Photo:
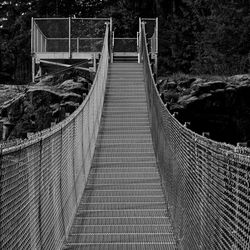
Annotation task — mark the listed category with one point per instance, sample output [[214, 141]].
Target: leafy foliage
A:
[[206, 37], [198, 36]]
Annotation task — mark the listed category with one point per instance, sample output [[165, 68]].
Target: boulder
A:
[[198, 81], [221, 107], [207, 87], [68, 84], [13, 109], [47, 80], [239, 78], [70, 107], [187, 100], [187, 83], [71, 97], [43, 96], [82, 79], [170, 96], [35, 107], [206, 95], [170, 85], [75, 87]]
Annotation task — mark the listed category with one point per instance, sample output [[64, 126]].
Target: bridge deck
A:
[[123, 206]]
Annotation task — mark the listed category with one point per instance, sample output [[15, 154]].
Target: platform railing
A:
[[206, 183], [42, 179], [68, 35]]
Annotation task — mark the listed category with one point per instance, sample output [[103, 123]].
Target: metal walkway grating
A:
[[123, 206]]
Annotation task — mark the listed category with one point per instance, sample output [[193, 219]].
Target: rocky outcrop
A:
[[220, 106], [37, 107]]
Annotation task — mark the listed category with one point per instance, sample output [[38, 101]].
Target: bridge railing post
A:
[[156, 46], [69, 37], [112, 46], [110, 40]]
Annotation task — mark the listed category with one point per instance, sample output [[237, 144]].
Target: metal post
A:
[[139, 48], [94, 62], [33, 68], [77, 44], [113, 44], [110, 28], [110, 40], [156, 46], [41, 43], [139, 24], [32, 35], [45, 45], [37, 43], [156, 34], [69, 37]]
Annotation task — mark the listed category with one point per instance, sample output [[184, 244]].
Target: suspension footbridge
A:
[[120, 172]]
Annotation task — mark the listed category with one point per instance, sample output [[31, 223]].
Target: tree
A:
[[222, 46]]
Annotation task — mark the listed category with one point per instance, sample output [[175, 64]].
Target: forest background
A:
[[195, 36]]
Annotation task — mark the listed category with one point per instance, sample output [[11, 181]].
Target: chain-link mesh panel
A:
[[53, 35], [125, 45], [88, 28], [207, 184], [57, 34], [150, 31], [86, 44], [42, 179], [87, 34]]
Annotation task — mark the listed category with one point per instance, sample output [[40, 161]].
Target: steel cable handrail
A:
[[206, 183], [42, 179]]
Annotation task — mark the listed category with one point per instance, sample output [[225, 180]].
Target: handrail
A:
[[54, 43], [206, 183], [42, 178]]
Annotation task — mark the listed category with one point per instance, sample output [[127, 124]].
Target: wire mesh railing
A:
[[206, 183], [68, 34], [42, 179]]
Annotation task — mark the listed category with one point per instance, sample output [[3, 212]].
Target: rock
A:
[[219, 91], [41, 96], [206, 95], [75, 87], [28, 107], [82, 80], [209, 86], [70, 107], [184, 98], [47, 80], [170, 85], [221, 107], [79, 91], [176, 107], [229, 88], [198, 81], [35, 108], [13, 109], [239, 78], [188, 100], [55, 106], [67, 84], [187, 83], [170, 96], [162, 85], [71, 97]]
